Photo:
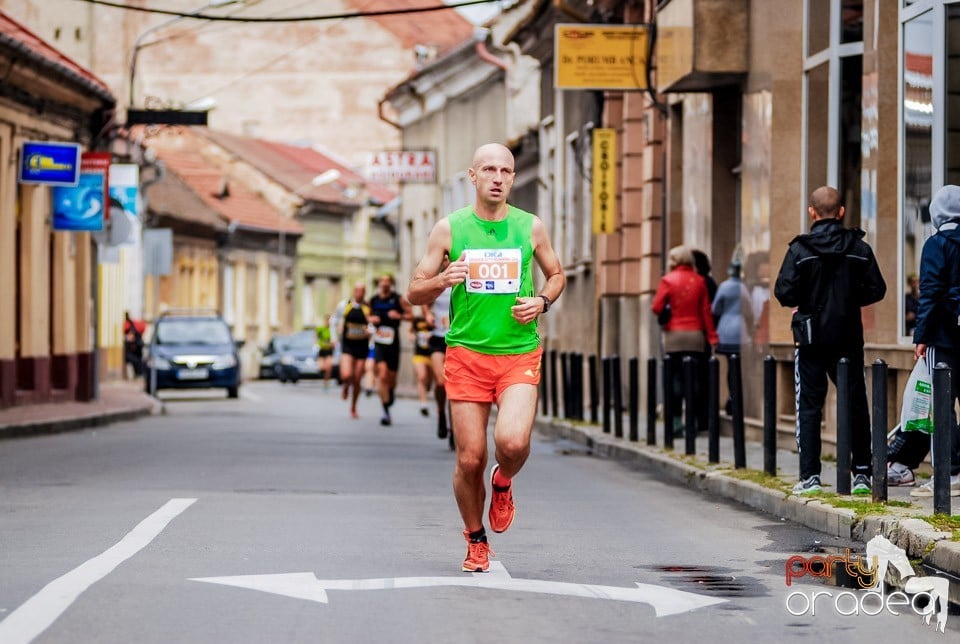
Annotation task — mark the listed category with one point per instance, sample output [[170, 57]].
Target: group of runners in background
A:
[[369, 331]]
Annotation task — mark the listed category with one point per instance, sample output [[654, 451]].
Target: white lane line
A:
[[40, 611], [246, 395]]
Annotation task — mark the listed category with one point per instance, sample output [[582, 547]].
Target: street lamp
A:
[[140, 44]]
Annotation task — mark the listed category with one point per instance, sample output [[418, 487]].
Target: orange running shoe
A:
[[478, 555], [502, 509]]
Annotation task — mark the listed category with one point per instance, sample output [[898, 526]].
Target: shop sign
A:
[[610, 57], [83, 207], [51, 164], [604, 180], [402, 166]]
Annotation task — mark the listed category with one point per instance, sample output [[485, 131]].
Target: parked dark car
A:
[[192, 351], [290, 357]]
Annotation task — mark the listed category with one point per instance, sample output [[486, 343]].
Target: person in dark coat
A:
[[828, 275], [937, 334]]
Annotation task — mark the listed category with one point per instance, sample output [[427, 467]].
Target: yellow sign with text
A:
[[600, 57], [604, 180]]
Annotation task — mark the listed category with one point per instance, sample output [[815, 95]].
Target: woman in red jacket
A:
[[688, 328]]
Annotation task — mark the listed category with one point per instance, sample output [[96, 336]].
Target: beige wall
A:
[[315, 75], [8, 242]]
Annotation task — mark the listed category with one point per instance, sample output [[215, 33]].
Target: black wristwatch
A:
[[546, 303]]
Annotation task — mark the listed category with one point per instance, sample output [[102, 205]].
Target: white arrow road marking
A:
[[40, 611], [305, 585]]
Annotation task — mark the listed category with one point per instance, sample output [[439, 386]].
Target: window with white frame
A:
[[274, 298], [229, 300], [832, 90], [307, 301], [929, 130]]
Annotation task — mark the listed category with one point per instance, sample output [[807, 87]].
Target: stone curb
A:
[[917, 537], [59, 425]]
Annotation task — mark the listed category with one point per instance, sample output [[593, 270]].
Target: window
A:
[[228, 295], [274, 295], [307, 302], [833, 91]]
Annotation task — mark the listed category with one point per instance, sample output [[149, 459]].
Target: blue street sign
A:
[[81, 207], [52, 164]]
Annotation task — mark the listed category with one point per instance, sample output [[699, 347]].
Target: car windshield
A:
[[297, 342], [193, 331]]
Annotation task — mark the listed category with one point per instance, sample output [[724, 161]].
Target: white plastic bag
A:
[[917, 411]]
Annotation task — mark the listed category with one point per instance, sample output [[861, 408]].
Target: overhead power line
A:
[[276, 19]]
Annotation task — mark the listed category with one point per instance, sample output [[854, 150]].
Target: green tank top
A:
[[500, 255]]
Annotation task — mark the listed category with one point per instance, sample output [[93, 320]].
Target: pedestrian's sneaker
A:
[[478, 555], [861, 485], [808, 486], [502, 509], [925, 491], [385, 420], [424, 411], [442, 427], [899, 475]]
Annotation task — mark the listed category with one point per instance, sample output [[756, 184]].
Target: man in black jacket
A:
[[828, 274], [937, 334]]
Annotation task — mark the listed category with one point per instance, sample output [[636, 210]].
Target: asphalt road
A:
[[277, 518]]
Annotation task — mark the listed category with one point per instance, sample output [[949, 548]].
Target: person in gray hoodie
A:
[[937, 334], [733, 313]]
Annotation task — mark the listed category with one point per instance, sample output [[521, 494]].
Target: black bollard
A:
[[580, 405], [668, 410], [574, 393], [633, 374], [554, 407], [879, 432], [690, 406], [943, 419], [617, 383], [606, 395], [565, 383], [544, 403], [713, 412], [770, 415], [594, 390], [578, 385], [651, 401], [739, 441], [843, 427]]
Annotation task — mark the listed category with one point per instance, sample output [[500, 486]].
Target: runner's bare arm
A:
[[428, 280], [528, 308]]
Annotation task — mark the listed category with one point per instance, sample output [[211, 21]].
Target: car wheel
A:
[[233, 392]]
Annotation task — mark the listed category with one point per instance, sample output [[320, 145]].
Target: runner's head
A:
[[386, 284], [492, 174], [359, 292]]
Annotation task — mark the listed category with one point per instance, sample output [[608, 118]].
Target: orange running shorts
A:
[[479, 377]]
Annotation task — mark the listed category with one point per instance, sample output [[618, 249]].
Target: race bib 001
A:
[[493, 270], [384, 335]]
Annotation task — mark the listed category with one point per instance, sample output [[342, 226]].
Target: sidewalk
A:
[[118, 401], [846, 517]]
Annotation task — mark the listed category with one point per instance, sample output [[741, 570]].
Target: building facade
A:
[[47, 351]]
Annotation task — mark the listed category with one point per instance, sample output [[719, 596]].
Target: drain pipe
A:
[[484, 54]]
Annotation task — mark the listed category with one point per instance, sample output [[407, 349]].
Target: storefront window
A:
[[851, 21], [818, 25], [851, 115], [952, 111], [918, 115], [818, 118]]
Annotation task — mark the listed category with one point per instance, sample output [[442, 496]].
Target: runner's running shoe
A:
[[502, 509], [478, 555]]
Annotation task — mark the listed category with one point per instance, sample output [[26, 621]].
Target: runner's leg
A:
[[517, 409], [469, 487]]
